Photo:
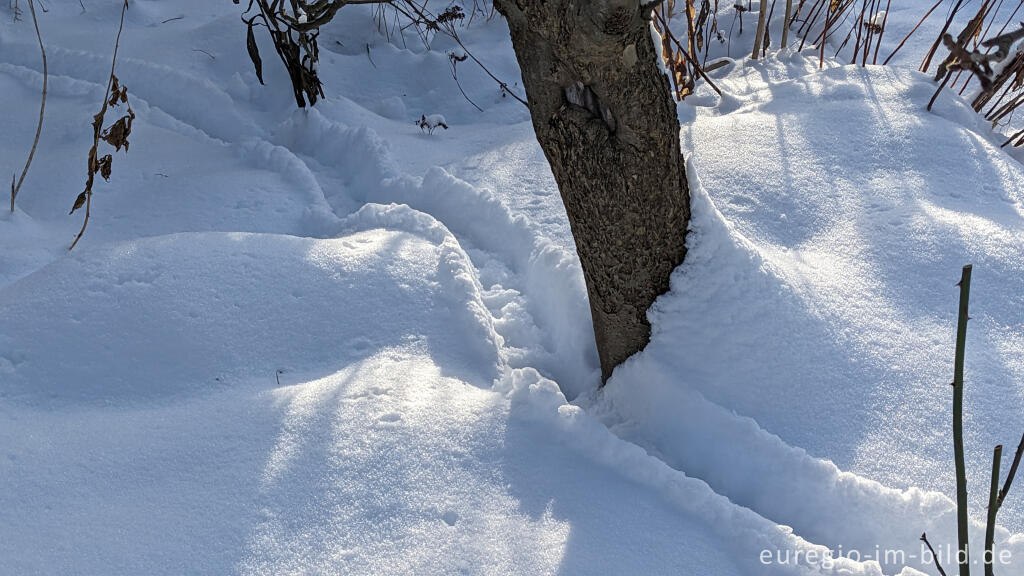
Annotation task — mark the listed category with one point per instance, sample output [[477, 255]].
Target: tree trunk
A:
[[604, 116]]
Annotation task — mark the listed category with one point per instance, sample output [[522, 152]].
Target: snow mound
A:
[[189, 312], [816, 308], [265, 404]]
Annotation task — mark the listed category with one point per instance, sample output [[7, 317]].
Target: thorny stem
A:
[[993, 507], [958, 423], [1012, 473]]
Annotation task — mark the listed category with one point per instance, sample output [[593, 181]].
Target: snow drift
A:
[[326, 342]]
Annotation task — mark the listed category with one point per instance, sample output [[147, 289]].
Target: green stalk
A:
[[1013, 471], [993, 507], [964, 556]]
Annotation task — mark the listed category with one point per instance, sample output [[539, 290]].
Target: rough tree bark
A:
[[604, 116]]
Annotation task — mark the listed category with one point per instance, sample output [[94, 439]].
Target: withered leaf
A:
[[118, 97], [79, 202], [254, 52], [118, 132], [117, 92], [104, 166]]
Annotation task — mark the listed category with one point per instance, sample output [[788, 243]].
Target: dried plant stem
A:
[[768, 31], [420, 14], [1011, 70], [965, 36], [860, 26], [912, 30], [682, 51], [762, 15], [937, 92], [691, 30], [935, 557], [958, 423], [845, 40], [935, 45], [1017, 139], [988, 28], [881, 31], [504, 87], [15, 188], [1020, 3], [786, 21], [453, 62], [869, 35], [831, 20], [809, 23], [97, 130]]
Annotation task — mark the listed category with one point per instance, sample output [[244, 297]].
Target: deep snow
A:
[[323, 341]]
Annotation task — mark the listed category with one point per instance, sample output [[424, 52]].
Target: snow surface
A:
[[304, 342]]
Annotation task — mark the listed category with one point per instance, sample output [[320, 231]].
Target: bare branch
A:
[[15, 188], [924, 538]]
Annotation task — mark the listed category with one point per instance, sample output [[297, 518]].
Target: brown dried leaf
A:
[[79, 202], [118, 132], [104, 166], [254, 52], [115, 89]]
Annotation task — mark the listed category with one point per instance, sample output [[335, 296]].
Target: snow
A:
[[323, 341], [817, 304]]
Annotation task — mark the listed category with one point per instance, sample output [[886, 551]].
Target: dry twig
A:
[[116, 134], [15, 188]]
